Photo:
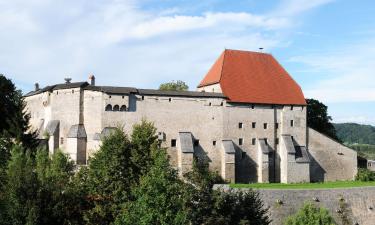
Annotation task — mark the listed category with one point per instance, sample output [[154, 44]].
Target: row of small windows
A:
[[115, 108], [240, 142], [265, 125]]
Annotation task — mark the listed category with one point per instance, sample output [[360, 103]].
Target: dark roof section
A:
[[77, 131], [180, 93], [112, 90], [50, 88], [127, 90], [70, 85]]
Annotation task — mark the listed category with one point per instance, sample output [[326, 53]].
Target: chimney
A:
[[67, 80], [92, 80], [36, 85]]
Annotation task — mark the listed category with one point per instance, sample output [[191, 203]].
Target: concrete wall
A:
[[330, 160], [208, 119], [359, 202]]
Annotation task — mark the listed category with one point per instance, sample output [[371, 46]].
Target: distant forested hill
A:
[[358, 137], [352, 133]]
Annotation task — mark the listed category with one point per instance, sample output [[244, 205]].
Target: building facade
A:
[[247, 119]]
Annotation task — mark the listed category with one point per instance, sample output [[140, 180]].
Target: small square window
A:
[[276, 125], [143, 97], [253, 141], [252, 106], [110, 96], [266, 141], [292, 123], [169, 99], [196, 143], [291, 107], [173, 143], [253, 124], [123, 97], [240, 141], [277, 141], [214, 143], [243, 154], [240, 125], [61, 141], [265, 125], [292, 138]]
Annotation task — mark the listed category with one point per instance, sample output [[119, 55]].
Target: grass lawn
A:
[[335, 184]]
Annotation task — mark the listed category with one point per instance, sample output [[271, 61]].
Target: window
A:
[[214, 143], [292, 138], [265, 125], [291, 123], [277, 141], [252, 106], [253, 124], [209, 104], [123, 108], [222, 103], [116, 108], [61, 141], [276, 125], [108, 107], [173, 143], [240, 125], [240, 141], [169, 99], [110, 96], [253, 141], [57, 92], [291, 107], [72, 91], [143, 97], [266, 141], [196, 143], [243, 154]]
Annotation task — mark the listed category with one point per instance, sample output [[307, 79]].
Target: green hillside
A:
[[359, 137], [355, 133]]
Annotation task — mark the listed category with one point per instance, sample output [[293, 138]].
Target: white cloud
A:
[[44, 41], [349, 73], [294, 7]]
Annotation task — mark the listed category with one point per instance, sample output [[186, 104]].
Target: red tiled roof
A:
[[253, 77]]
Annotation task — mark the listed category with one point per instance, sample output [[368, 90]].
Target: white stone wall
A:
[[331, 160], [208, 119]]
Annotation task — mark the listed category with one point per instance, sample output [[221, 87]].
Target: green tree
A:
[[159, 198], [14, 124], [144, 141], [39, 189], [310, 214], [318, 118], [174, 86], [208, 206], [109, 178]]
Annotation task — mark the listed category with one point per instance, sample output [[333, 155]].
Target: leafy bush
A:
[[310, 214], [365, 175]]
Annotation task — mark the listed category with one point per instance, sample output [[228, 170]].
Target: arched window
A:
[[123, 108], [116, 108], [108, 107]]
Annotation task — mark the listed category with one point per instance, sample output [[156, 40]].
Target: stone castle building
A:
[[247, 118]]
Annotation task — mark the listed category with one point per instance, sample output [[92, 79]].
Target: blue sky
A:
[[328, 46]]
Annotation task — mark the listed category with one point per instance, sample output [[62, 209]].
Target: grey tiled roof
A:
[[301, 154], [52, 127], [228, 146], [186, 142], [77, 131], [112, 90], [180, 93], [126, 90], [263, 146], [58, 87]]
